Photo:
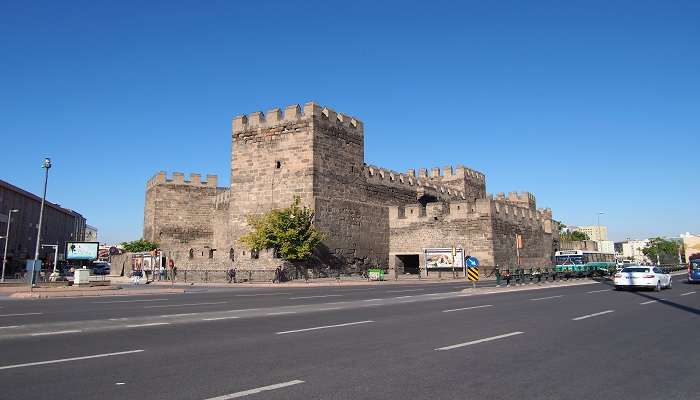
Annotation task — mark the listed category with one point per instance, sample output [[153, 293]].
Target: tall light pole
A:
[[46, 166], [600, 235], [7, 243]]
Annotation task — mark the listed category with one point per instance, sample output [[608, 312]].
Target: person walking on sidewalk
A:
[[172, 269]]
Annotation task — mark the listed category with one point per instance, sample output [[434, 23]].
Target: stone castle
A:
[[370, 216]]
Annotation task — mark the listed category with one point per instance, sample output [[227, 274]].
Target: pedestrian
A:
[[161, 272], [172, 268], [498, 276], [506, 275], [231, 275]]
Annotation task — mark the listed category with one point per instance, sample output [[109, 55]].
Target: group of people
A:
[[163, 274]]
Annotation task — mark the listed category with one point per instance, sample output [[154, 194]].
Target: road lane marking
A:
[[316, 297], [373, 300], [402, 291], [256, 390], [188, 304], [547, 298], [220, 318], [56, 332], [127, 301], [592, 315], [10, 326], [402, 297], [488, 339], [329, 309], [18, 315], [468, 308], [148, 324], [282, 313], [355, 290], [652, 301], [324, 327], [178, 315], [261, 294], [685, 294], [599, 291], [118, 319], [69, 359]]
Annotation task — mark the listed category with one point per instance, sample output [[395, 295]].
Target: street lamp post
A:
[[600, 235], [55, 258], [46, 166], [7, 243]]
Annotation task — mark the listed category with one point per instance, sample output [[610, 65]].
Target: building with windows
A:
[[59, 226], [90, 233], [594, 232]]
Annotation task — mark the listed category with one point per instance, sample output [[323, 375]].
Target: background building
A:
[[59, 226], [90, 233], [632, 250], [594, 232], [691, 244]]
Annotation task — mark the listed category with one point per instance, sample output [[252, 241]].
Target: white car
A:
[[638, 276]]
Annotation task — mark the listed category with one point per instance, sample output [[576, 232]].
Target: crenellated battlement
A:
[[448, 172], [385, 176], [295, 113], [178, 178]]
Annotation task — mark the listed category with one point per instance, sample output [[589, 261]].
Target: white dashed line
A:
[[149, 324], [261, 294], [56, 332], [219, 318], [373, 300], [402, 291], [178, 315], [547, 298], [592, 315], [488, 339], [188, 304], [468, 308], [599, 291], [316, 297], [325, 327], [69, 359], [127, 301], [329, 309], [685, 294], [282, 313], [402, 297], [10, 326], [18, 315], [651, 301], [256, 390]]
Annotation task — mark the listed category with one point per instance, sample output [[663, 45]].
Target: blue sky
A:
[[592, 106]]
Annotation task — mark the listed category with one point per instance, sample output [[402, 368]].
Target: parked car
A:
[[100, 269], [643, 277]]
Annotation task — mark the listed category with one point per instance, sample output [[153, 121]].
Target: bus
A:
[[584, 261]]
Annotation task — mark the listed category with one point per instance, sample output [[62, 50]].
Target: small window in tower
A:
[[278, 164]]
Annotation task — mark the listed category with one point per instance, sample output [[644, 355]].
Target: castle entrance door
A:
[[408, 263]]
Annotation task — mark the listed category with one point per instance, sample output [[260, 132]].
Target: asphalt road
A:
[[398, 342]]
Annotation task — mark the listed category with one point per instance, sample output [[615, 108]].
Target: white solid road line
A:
[[488, 339], [316, 297], [148, 324], [468, 308], [548, 297], [324, 327], [685, 294], [402, 297], [126, 301], [373, 300], [69, 359], [402, 291], [17, 315], [598, 291], [256, 390], [329, 309], [592, 315], [261, 294], [10, 326], [56, 332], [282, 313], [652, 301], [188, 304], [219, 318]]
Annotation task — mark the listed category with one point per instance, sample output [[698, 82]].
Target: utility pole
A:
[[46, 166], [7, 243]]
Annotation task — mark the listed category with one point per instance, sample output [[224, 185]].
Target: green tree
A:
[[574, 236], [138, 246], [666, 249], [288, 231]]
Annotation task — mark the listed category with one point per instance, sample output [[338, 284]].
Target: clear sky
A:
[[592, 106]]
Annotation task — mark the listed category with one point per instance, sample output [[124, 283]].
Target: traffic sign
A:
[[473, 273], [472, 262]]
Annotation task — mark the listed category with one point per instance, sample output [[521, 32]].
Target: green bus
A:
[[584, 262]]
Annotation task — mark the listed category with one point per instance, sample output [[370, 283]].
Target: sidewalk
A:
[[22, 292]]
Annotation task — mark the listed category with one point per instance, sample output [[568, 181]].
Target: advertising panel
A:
[[444, 258], [82, 250]]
